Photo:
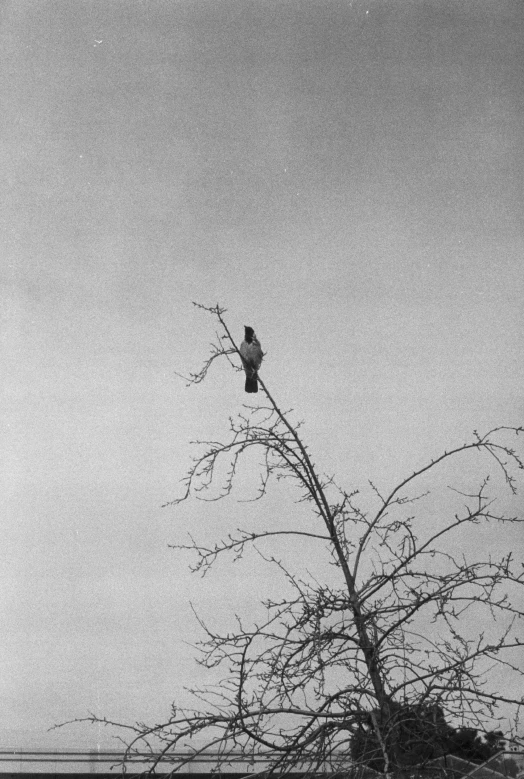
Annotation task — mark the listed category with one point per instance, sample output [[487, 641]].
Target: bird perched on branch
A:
[[251, 353]]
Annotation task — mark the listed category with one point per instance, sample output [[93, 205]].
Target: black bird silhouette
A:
[[251, 353]]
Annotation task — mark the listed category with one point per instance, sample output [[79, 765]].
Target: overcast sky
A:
[[346, 177]]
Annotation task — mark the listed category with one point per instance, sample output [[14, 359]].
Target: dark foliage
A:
[[418, 734], [415, 734]]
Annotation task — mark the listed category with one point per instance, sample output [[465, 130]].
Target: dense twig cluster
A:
[[395, 632]]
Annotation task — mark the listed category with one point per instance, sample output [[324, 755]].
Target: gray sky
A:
[[346, 177]]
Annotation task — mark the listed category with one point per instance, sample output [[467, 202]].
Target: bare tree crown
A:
[[340, 660]]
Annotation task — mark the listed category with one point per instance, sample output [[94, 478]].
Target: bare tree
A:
[[406, 620]]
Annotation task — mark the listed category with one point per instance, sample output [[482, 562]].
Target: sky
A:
[[347, 178]]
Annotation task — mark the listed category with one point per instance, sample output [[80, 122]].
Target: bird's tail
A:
[[251, 384]]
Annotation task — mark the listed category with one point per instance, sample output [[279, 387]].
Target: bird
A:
[[251, 353]]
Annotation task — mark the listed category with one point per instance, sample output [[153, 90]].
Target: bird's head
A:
[[249, 333]]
